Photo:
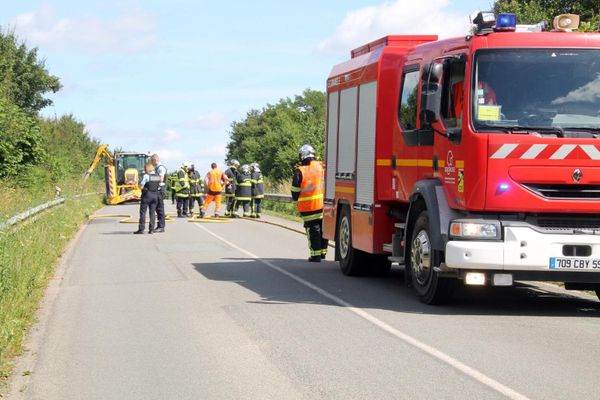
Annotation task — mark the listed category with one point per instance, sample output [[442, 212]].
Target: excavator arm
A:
[[101, 153]]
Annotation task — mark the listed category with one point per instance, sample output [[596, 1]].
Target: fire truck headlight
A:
[[465, 229]]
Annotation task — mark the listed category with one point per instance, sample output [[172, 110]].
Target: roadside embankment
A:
[[28, 254]]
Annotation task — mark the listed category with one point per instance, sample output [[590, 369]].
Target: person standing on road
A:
[[215, 180], [195, 189], [243, 191], [150, 185], [307, 191], [258, 190], [231, 174], [171, 182], [182, 190], [161, 170]]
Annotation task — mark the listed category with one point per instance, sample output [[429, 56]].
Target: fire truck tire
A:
[[352, 261], [430, 288]]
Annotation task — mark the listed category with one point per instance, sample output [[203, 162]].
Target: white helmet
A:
[[245, 169], [255, 167], [306, 151], [186, 164]]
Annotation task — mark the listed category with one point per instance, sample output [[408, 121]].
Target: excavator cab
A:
[[130, 167], [122, 174]]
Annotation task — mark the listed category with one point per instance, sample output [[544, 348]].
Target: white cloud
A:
[[171, 136], [172, 158], [588, 93], [407, 17], [212, 120], [216, 151], [132, 31]]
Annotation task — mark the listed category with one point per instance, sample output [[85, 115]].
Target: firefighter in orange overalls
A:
[[215, 179], [307, 191]]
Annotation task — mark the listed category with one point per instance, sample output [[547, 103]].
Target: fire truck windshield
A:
[[538, 91]]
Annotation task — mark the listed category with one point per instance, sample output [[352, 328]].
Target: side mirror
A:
[[435, 73], [454, 135], [431, 93]]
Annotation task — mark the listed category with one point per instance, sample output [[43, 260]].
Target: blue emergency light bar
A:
[[506, 23]]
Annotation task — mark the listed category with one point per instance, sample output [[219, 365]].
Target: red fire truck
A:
[[473, 159]]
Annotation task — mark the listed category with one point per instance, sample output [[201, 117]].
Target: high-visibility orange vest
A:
[[311, 187], [214, 180]]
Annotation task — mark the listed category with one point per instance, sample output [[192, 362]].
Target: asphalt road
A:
[[233, 311]]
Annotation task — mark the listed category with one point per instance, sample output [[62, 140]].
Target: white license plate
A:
[[574, 264]]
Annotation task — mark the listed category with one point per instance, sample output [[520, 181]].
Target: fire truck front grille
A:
[[565, 191], [559, 223]]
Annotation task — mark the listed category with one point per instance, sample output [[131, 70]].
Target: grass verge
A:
[[282, 210], [28, 256]]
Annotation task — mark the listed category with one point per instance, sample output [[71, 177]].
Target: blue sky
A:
[[171, 77]]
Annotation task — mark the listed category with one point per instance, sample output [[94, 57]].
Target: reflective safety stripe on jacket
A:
[[182, 184], [230, 188], [243, 190], [258, 186], [214, 181], [311, 187], [195, 184]]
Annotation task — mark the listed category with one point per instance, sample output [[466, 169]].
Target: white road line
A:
[[473, 373]]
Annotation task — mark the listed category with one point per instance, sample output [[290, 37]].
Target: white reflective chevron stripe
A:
[[591, 151], [533, 151], [563, 151], [504, 150]]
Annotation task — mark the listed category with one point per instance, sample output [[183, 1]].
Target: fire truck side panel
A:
[[342, 126]]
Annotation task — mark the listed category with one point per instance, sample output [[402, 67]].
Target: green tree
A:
[[68, 146], [23, 77], [534, 11], [20, 140], [272, 136]]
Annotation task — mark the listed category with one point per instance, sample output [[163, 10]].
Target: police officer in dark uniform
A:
[[161, 171], [150, 184], [231, 173]]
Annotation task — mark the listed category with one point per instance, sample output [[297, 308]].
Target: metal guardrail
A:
[[281, 198], [29, 213]]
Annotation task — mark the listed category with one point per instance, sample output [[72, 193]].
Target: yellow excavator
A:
[[121, 174]]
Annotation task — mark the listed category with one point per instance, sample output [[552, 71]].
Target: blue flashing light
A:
[[503, 187], [506, 22]]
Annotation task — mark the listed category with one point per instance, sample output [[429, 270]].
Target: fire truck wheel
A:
[[430, 288], [351, 260]]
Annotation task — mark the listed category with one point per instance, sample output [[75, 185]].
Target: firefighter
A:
[[243, 191], [196, 186], [231, 173], [258, 190], [182, 190], [171, 183], [150, 185], [307, 191], [215, 180]]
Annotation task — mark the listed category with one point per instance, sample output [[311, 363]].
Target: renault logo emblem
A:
[[577, 175]]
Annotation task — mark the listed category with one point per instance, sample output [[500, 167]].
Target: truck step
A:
[[400, 225], [399, 260], [389, 247]]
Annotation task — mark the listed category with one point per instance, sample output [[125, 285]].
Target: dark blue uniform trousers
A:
[[160, 208], [149, 200]]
